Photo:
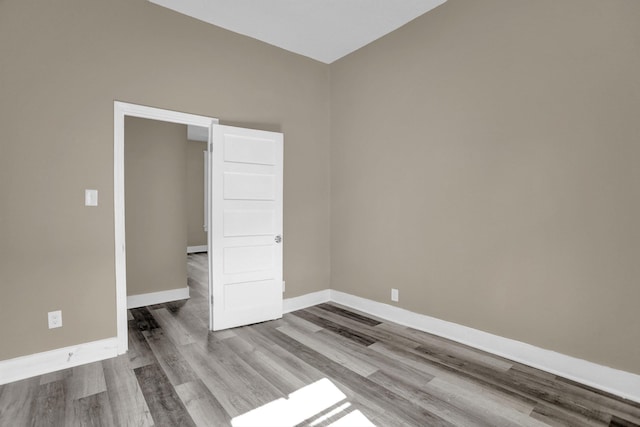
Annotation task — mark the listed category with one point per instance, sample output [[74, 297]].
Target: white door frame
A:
[[120, 111]]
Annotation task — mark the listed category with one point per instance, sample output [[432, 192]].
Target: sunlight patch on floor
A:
[[330, 414], [352, 419], [304, 404]]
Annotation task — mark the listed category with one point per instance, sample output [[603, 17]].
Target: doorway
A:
[[244, 217], [122, 110]]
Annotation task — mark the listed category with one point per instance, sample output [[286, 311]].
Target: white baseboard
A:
[[617, 382], [620, 383], [304, 301], [194, 249], [23, 367], [142, 300]]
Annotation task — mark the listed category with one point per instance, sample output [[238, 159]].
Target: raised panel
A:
[[247, 259], [241, 149], [249, 186], [262, 293], [246, 262], [248, 223]]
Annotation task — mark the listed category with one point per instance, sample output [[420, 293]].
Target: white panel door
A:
[[245, 263]]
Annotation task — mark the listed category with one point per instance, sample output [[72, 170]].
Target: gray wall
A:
[[63, 65], [485, 162], [155, 170], [196, 236]]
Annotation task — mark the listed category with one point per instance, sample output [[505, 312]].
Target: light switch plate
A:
[[91, 197]]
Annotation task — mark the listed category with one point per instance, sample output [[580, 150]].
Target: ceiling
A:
[[324, 30]]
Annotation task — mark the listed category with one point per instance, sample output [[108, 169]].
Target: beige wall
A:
[[155, 175], [196, 236], [63, 65], [485, 163]]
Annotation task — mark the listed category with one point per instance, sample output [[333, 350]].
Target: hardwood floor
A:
[[325, 365]]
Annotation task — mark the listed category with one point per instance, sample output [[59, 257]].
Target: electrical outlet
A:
[[394, 295], [55, 319], [284, 287]]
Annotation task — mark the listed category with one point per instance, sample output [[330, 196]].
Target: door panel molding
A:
[[245, 265]]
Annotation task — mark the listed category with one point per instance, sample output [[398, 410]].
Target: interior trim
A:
[[143, 300], [614, 381], [29, 366], [304, 301], [120, 111], [196, 249]]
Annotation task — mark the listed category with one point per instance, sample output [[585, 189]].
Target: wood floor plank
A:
[[436, 405], [204, 408], [143, 319], [178, 373], [340, 356], [483, 405], [163, 401], [510, 382], [55, 376], [507, 396], [346, 332], [94, 411], [621, 408], [196, 325], [222, 335], [356, 401], [620, 422], [554, 416], [375, 332], [18, 402], [452, 374], [599, 394], [125, 396], [349, 314], [85, 380], [384, 398], [239, 375], [601, 404], [172, 329], [272, 370], [301, 323], [306, 373], [377, 361], [542, 390], [171, 360], [458, 350], [139, 354], [50, 405], [234, 401]]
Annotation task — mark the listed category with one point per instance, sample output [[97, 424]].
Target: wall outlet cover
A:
[[55, 319]]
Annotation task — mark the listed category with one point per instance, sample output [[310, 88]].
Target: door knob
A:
[[278, 238]]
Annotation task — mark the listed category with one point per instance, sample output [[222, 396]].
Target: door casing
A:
[[120, 111]]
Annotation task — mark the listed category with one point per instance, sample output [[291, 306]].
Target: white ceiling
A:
[[325, 30]]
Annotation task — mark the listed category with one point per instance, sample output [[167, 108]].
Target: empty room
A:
[[303, 213]]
